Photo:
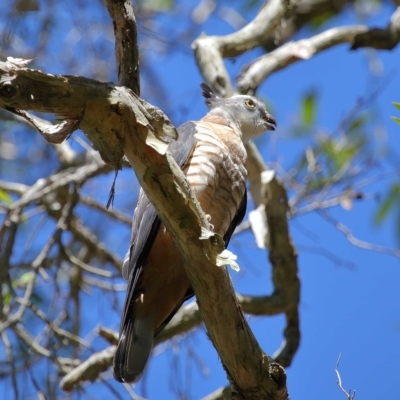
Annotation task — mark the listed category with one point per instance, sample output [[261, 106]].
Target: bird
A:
[[212, 155]]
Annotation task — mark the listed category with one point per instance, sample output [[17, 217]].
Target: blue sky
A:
[[350, 306]]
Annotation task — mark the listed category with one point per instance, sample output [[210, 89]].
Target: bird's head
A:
[[247, 112]]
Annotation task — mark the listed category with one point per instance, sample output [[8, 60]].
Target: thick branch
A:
[[303, 13], [126, 48], [282, 255], [210, 50], [382, 39], [256, 72]]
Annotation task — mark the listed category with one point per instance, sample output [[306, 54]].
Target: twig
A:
[[217, 394], [39, 260], [113, 287], [10, 357], [32, 344], [57, 330], [357, 242], [119, 216], [349, 395], [43, 187], [85, 235], [334, 258], [86, 267]]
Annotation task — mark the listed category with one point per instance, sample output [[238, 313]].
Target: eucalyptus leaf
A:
[[5, 197], [392, 199]]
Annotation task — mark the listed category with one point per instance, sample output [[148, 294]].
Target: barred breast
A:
[[216, 172]]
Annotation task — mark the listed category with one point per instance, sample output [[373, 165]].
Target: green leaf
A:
[[158, 5], [6, 297], [251, 4], [395, 119], [358, 122], [26, 278], [397, 105], [392, 199], [308, 108], [321, 19], [5, 197], [338, 154]]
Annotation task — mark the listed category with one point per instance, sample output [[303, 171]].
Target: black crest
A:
[[209, 95]]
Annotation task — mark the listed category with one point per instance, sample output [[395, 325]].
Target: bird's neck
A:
[[221, 117]]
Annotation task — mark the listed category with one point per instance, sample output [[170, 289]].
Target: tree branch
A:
[[304, 12], [126, 47], [90, 369], [253, 74], [382, 39], [282, 254], [209, 50]]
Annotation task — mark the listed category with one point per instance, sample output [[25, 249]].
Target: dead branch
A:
[[349, 395]]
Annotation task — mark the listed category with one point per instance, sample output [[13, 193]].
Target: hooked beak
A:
[[269, 121]]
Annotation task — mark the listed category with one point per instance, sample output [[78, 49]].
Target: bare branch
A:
[[15, 318], [349, 395], [54, 134], [57, 330], [90, 369], [357, 242], [88, 268], [253, 74], [10, 356], [209, 50], [85, 235], [383, 39], [282, 254], [304, 12], [126, 48], [117, 215], [30, 342], [218, 394], [256, 72], [43, 187]]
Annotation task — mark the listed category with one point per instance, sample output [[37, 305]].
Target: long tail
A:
[[133, 352]]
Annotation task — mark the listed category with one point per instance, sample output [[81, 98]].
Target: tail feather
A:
[[133, 351]]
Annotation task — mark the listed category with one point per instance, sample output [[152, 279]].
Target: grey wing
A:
[[146, 221], [240, 213]]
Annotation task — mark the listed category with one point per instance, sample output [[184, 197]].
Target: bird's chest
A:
[[217, 174]]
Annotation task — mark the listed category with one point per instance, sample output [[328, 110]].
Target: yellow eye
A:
[[249, 103]]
